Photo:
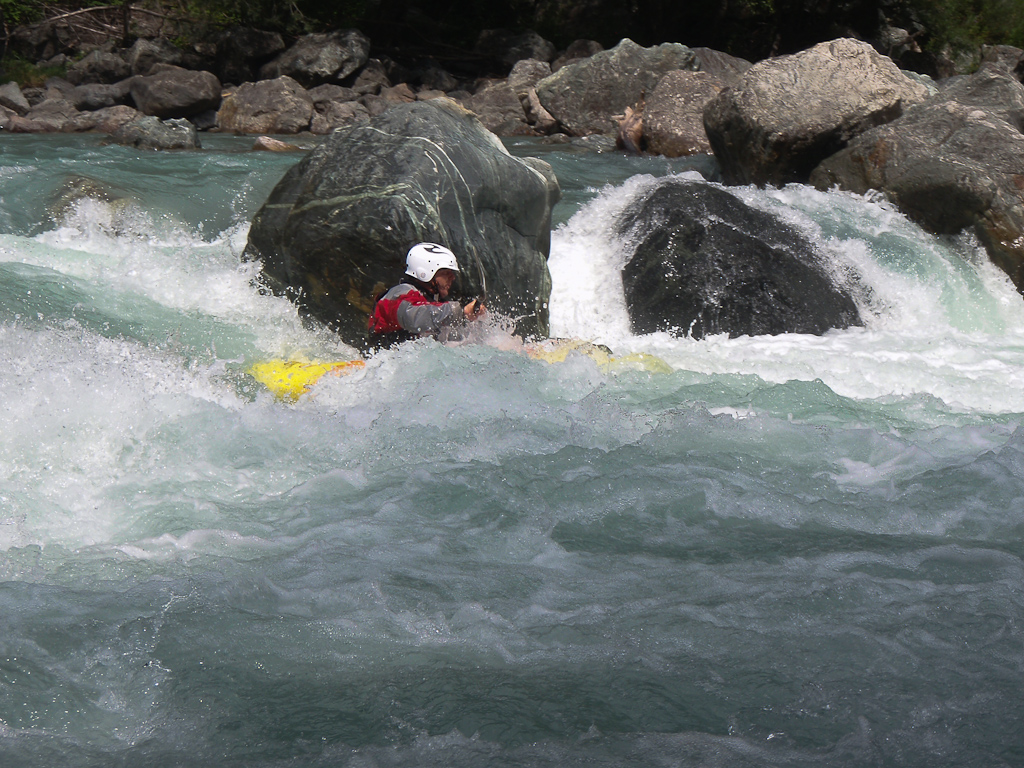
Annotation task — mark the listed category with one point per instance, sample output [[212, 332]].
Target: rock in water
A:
[[787, 114], [335, 230], [707, 263], [148, 132], [954, 162]]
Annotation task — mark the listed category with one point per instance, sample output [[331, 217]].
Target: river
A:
[[787, 551]]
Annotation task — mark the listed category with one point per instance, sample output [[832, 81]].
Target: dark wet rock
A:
[[585, 95], [436, 78], [673, 118], [321, 58], [372, 78], [76, 189], [150, 132], [787, 114], [100, 95], [204, 121], [241, 51], [578, 49], [336, 229], [505, 47], [706, 263], [13, 99], [268, 106], [175, 92], [98, 66], [955, 162]]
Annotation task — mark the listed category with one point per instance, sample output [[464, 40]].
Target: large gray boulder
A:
[[175, 92], [789, 113], [585, 95], [268, 106], [955, 162], [706, 263], [336, 229], [673, 118], [321, 58]]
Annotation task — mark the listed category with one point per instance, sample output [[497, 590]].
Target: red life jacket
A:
[[385, 314]]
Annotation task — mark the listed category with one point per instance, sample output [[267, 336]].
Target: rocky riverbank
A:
[[249, 81]]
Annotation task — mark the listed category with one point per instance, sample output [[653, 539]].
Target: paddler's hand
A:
[[474, 310]]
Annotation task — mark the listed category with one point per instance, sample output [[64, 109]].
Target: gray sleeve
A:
[[427, 318]]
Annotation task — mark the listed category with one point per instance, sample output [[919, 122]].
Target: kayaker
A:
[[418, 306]]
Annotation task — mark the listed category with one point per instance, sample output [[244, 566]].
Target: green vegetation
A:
[[26, 74], [964, 25]]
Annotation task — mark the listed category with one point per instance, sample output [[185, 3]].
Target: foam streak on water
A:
[[794, 550]]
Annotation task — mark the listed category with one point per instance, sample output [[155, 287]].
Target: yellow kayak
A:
[[556, 350], [290, 379]]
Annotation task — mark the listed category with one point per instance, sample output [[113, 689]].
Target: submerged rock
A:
[[149, 132], [706, 263], [336, 229]]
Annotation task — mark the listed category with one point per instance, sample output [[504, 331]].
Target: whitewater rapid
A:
[[790, 550]]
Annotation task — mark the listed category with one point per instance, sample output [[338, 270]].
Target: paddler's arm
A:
[[427, 318]]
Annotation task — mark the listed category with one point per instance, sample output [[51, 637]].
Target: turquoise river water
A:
[[788, 551]]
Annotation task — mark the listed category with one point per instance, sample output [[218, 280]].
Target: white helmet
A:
[[424, 259]]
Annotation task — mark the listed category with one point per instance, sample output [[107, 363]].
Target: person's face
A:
[[444, 279]]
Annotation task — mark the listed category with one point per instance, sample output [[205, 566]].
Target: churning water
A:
[[791, 550]]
